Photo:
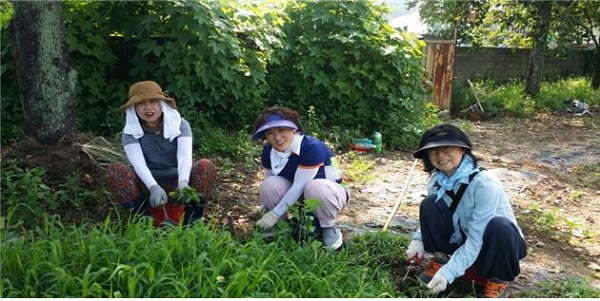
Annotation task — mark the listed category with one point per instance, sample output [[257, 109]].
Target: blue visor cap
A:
[[273, 121]]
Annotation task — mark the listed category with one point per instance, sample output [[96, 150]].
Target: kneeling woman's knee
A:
[[317, 189], [499, 223], [501, 230], [272, 190], [428, 202]]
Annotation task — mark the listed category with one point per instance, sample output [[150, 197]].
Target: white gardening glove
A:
[[415, 247], [183, 184], [158, 196], [437, 284], [268, 220]]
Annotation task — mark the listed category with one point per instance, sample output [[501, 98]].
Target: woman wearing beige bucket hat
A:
[[158, 144]]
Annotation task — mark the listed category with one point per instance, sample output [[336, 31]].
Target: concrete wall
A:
[[504, 64]]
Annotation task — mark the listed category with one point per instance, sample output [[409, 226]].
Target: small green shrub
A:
[[462, 98], [360, 168], [553, 93], [510, 98], [25, 194], [73, 194]]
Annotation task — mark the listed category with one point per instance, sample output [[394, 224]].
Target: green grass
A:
[[510, 99], [138, 260], [571, 288], [134, 259], [552, 94]]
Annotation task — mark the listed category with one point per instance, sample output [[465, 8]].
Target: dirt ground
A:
[[547, 164]]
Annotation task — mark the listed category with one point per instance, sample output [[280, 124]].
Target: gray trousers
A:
[[333, 197]]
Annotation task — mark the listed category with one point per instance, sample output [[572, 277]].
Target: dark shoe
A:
[[495, 289], [434, 265]]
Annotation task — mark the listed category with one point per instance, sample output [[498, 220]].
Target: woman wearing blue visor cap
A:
[[297, 167]]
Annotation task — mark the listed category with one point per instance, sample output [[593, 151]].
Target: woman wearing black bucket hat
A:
[[466, 220], [297, 166]]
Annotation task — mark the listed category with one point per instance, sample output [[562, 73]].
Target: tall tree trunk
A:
[[596, 75], [46, 79], [535, 70]]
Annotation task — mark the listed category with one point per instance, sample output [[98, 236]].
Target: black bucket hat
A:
[[442, 135]]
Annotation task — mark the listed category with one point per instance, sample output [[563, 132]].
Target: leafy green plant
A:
[[186, 196], [359, 167], [302, 217], [343, 59], [313, 122], [27, 197], [25, 194], [554, 223], [74, 195]]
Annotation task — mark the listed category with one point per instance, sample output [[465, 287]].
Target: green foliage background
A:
[[345, 60], [225, 61]]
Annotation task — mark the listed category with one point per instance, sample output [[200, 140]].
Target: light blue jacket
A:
[[483, 200]]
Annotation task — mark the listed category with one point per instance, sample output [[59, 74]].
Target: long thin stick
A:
[[476, 98], [389, 220]]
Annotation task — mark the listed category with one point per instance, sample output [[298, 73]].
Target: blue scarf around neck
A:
[[466, 168]]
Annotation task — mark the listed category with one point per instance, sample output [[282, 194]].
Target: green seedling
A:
[[185, 196]]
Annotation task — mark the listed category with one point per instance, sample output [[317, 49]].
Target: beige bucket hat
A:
[[146, 90]]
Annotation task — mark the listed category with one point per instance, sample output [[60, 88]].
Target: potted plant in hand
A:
[[190, 200]]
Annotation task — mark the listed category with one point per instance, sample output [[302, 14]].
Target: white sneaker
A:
[[332, 238]]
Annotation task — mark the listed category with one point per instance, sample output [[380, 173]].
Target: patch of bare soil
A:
[[552, 166], [546, 163]]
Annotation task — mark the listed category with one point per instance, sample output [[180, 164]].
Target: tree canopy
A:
[[516, 24]]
